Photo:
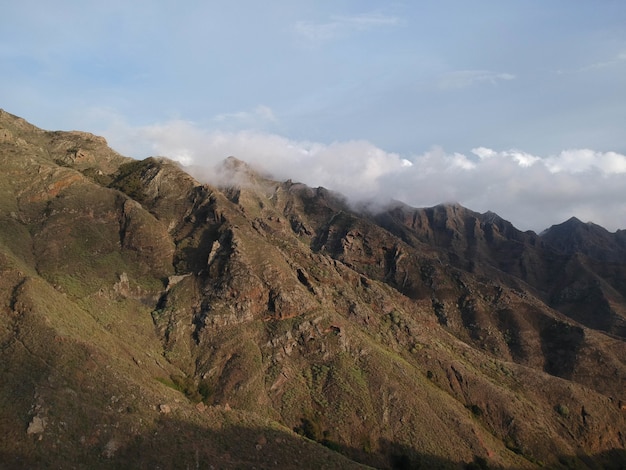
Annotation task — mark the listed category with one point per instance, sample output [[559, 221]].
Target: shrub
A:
[[309, 429], [205, 390], [479, 463], [128, 180], [475, 409], [562, 410]]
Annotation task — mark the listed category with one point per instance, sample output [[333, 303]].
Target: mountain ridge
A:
[[144, 309], [231, 164]]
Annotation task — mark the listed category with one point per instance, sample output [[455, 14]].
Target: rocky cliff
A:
[[152, 321]]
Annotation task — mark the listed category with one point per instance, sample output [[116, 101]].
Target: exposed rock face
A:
[[407, 337], [37, 425]]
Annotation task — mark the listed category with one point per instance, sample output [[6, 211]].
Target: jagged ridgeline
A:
[[149, 320]]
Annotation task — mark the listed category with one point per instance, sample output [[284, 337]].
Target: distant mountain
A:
[[151, 321], [574, 236]]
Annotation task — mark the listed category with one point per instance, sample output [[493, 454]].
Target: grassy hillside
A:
[[151, 321]]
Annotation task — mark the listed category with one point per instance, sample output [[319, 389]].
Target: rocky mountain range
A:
[[149, 320]]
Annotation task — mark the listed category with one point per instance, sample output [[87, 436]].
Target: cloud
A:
[[531, 191], [585, 160], [521, 158], [319, 32], [259, 117], [466, 78], [617, 60]]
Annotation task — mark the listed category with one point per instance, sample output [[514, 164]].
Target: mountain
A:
[[574, 236], [151, 321]]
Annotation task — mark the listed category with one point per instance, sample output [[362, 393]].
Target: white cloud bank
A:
[[531, 191]]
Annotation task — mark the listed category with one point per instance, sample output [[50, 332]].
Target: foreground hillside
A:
[[150, 321]]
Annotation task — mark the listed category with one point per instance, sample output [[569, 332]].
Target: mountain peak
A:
[[587, 238], [236, 172], [573, 221], [235, 162], [574, 225]]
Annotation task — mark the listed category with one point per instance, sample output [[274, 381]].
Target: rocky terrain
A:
[[151, 321]]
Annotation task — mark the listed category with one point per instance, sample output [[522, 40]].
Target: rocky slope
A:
[[150, 320]]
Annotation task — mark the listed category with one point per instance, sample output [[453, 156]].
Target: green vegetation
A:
[[311, 429], [97, 176], [195, 392], [128, 179], [476, 410], [562, 410]]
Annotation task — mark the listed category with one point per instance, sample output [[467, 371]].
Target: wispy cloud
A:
[[466, 78], [254, 118], [618, 59], [337, 26]]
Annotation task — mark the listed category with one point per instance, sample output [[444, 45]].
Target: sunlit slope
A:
[[150, 319]]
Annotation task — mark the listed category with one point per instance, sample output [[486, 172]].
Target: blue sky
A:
[[516, 106]]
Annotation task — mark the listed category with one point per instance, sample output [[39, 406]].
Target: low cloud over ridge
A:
[[532, 191]]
